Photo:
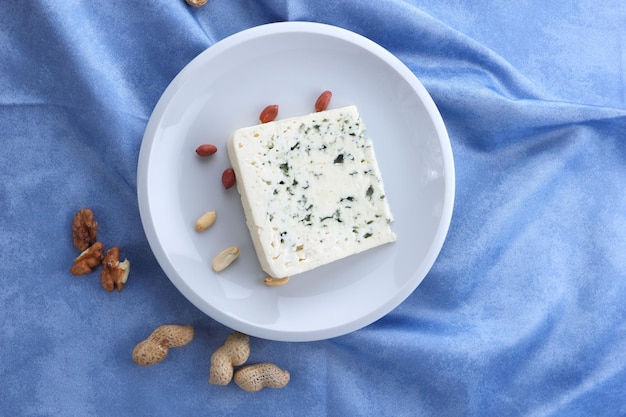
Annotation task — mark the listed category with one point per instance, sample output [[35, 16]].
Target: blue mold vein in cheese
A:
[[311, 190]]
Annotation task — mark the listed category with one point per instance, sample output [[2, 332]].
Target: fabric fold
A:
[[522, 313]]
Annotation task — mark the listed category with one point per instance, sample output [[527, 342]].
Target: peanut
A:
[[269, 113], [254, 378], [225, 258], [196, 3], [154, 349], [234, 352], [205, 221], [323, 100], [228, 178], [274, 282], [206, 150]]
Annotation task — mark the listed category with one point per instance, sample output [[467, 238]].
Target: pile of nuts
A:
[[114, 273], [228, 255], [234, 352], [236, 349]]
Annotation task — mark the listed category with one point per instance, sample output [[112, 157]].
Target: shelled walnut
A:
[[88, 259], [84, 229], [114, 273]]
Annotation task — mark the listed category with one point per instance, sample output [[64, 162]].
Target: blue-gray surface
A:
[[523, 314]]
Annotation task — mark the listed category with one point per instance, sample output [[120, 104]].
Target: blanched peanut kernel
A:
[[225, 258], [205, 221], [275, 282]]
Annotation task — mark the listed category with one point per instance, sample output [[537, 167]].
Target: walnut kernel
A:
[[114, 273], [84, 229], [88, 259]]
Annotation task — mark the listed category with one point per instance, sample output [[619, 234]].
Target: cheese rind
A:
[[311, 190]]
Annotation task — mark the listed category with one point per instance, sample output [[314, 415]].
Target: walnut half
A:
[[84, 229], [114, 273], [88, 259]]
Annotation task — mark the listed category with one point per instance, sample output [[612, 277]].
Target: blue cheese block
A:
[[311, 190]]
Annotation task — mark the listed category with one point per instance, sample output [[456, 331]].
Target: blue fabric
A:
[[523, 314]]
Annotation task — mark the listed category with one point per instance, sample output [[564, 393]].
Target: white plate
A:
[[225, 88]]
